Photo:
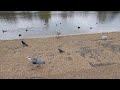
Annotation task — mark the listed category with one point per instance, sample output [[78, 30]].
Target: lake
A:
[[48, 23]]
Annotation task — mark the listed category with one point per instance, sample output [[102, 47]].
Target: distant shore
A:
[[85, 56]]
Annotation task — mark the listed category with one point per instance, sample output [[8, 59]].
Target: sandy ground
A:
[[85, 57]]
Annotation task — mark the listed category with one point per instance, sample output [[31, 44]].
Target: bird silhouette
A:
[[24, 44], [60, 50], [78, 27], [20, 35], [58, 33], [4, 31], [90, 27], [26, 30]]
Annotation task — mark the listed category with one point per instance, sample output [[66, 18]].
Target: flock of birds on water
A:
[[58, 33], [39, 60]]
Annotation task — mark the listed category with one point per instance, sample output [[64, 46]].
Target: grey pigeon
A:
[[4, 31], [78, 27], [24, 44], [36, 60], [90, 27]]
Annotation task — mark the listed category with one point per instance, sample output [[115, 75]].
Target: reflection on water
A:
[[47, 23], [25, 15], [8, 16], [45, 16], [106, 16]]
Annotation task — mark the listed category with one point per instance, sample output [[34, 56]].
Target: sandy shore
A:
[[85, 56]]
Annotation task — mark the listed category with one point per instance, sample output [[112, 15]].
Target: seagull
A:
[[36, 60], [104, 37], [78, 27], [4, 31], [24, 44]]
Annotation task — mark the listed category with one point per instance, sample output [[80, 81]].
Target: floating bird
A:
[[96, 23], [78, 27], [60, 23], [20, 35], [44, 24], [24, 44], [90, 27], [36, 60], [60, 50], [4, 31], [26, 30], [56, 24], [104, 37]]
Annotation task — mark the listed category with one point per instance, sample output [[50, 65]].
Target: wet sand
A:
[[85, 56]]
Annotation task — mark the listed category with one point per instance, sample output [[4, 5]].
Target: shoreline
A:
[[85, 53], [54, 36]]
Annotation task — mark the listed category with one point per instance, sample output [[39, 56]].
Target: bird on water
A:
[[4, 31], [78, 27], [20, 35]]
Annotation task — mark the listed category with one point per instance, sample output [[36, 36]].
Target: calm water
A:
[[47, 23]]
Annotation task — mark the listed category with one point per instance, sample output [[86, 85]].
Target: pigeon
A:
[[60, 50], [24, 44], [78, 27], [90, 27], [4, 31], [20, 35], [36, 60]]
